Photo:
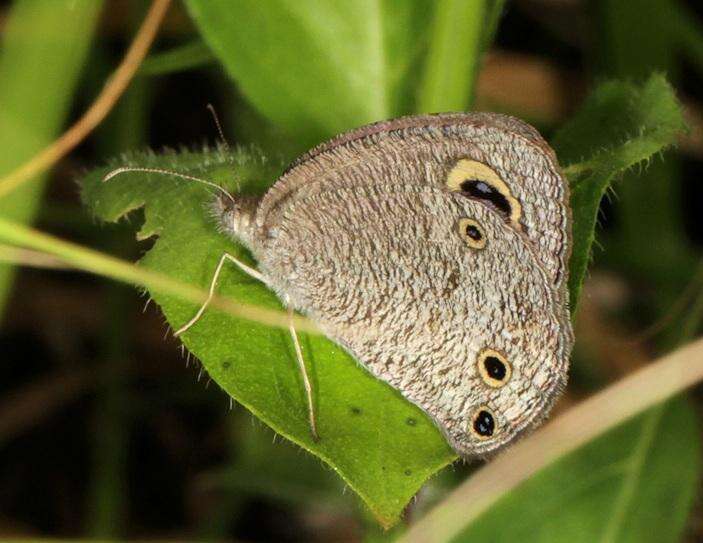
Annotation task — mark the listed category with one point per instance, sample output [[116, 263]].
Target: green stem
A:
[[95, 262], [452, 60], [111, 422]]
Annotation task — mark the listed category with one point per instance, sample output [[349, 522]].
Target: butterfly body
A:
[[434, 250]]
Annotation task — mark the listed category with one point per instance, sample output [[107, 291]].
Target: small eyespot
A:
[[472, 233], [483, 424], [493, 368]]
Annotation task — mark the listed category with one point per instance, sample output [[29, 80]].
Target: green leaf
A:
[[317, 68], [190, 55], [381, 445], [637, 38], [40, 63], [619, 126], [635, 483], [456, 40], [277, 470]]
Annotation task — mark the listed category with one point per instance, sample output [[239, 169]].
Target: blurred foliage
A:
[[361, 54], [618, 127], [386, 468], [634, 44], [363, 60], [622, 486], [34, 102], [299, 72]]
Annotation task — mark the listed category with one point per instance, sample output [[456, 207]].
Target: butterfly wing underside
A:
[[369, 238], [428, 144]]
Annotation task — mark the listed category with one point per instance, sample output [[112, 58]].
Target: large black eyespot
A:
[[472, 233], [478, 181], [484, 424], [484, 191], [494, 368]]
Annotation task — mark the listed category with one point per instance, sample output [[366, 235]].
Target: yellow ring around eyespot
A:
[[466, 169], [477, 412], [473, 243], [490, 381]]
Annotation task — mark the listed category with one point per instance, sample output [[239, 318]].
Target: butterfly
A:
[[435, 250]]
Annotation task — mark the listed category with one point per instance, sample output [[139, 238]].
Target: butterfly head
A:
[[235, 217]]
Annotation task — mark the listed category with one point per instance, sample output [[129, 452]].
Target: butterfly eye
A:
[[480, 182], [483, 424], [494, 368], [472, 233]]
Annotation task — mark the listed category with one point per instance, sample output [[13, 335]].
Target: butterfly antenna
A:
[[122, 170], [212, 111], [223, 140]]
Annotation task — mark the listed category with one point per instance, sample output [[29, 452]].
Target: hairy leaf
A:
[[381, 445], [619, 126]]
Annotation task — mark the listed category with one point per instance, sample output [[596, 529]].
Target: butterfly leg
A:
[[213, 284], [304, 373]]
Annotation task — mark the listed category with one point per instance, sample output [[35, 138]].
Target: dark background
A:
[[106, 431]]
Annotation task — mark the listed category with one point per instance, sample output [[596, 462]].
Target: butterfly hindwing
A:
[[389, 275]]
